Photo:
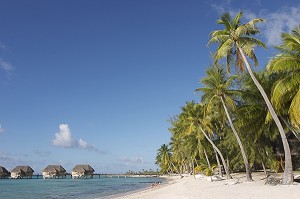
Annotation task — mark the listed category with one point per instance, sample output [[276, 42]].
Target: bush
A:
[[204, 169]]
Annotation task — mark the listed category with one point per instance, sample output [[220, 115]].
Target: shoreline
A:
[[190, 188], [167, 180]]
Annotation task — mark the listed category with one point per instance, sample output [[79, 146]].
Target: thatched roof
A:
[[83, 168], [3, 170], [22, 169], [54, 168]]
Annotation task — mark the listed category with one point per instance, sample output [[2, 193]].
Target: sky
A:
[[95, 82]]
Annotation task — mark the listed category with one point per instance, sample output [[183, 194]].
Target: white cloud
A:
[[82, 143], [5, 65], [64, 139], [284, 20]]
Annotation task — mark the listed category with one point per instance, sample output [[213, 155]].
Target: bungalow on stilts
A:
[[82, 171], [4, 173], [22, 172], [54, 171]]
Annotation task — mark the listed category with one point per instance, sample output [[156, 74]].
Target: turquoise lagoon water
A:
[[71, 188]]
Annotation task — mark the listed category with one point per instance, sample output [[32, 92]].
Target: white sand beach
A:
[[190, 188]]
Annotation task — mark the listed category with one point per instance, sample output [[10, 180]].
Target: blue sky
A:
[[96, 81]]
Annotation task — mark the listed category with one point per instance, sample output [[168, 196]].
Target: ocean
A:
[[103, 187]]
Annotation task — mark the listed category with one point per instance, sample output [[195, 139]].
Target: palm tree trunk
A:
[[262, 160], [218, 162], [247, 166], [196, 162], [170, 168], [264, 168], [288, 176], [207, 160], [219, 152], [193, 168], [227, 161], [175, 168]]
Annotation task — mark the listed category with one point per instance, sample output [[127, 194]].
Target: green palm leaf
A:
[[284, 91], [295, 110], [286, 66], [284, 63]]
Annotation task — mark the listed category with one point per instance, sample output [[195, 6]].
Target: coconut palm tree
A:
[[193, 116], [187, 114], [286, 92], [252, 114], [235, 43], [207, 126], [183, 146], [163, 158], [217, 89]]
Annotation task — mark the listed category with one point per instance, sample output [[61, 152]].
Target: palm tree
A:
[[185, 118], [163, 158], [193, 116], [286, 92], [218, 88], [176, 146], [253, 118], [235, 42]]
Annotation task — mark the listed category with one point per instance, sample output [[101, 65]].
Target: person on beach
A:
[[155, 184]]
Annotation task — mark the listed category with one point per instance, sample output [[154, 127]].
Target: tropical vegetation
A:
[[242, 122]]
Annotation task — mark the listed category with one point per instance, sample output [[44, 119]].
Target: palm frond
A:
[[284, 91], [294, 111], [230, 103], [237, 20], [218, 36], [225, 20], [211, 103], [254, 58], [224, 49], [283, 63], [249, 28], [251, 41], [229, 81], [291, 41], [229, 60]]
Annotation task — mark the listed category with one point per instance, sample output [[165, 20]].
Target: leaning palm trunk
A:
[[288, 176], [264, 168], [170, 168], [247, 167], [262, 160], [178, 171], [219, 152], [218, 162], [207, 160]]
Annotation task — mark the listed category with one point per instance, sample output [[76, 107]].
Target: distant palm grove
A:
[[245, 121]]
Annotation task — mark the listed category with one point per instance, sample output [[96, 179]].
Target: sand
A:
[[190, 188]]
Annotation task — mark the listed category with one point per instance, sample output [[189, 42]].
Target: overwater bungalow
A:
[[54, 171], [4, 173], [82, 171], [22, 172]]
